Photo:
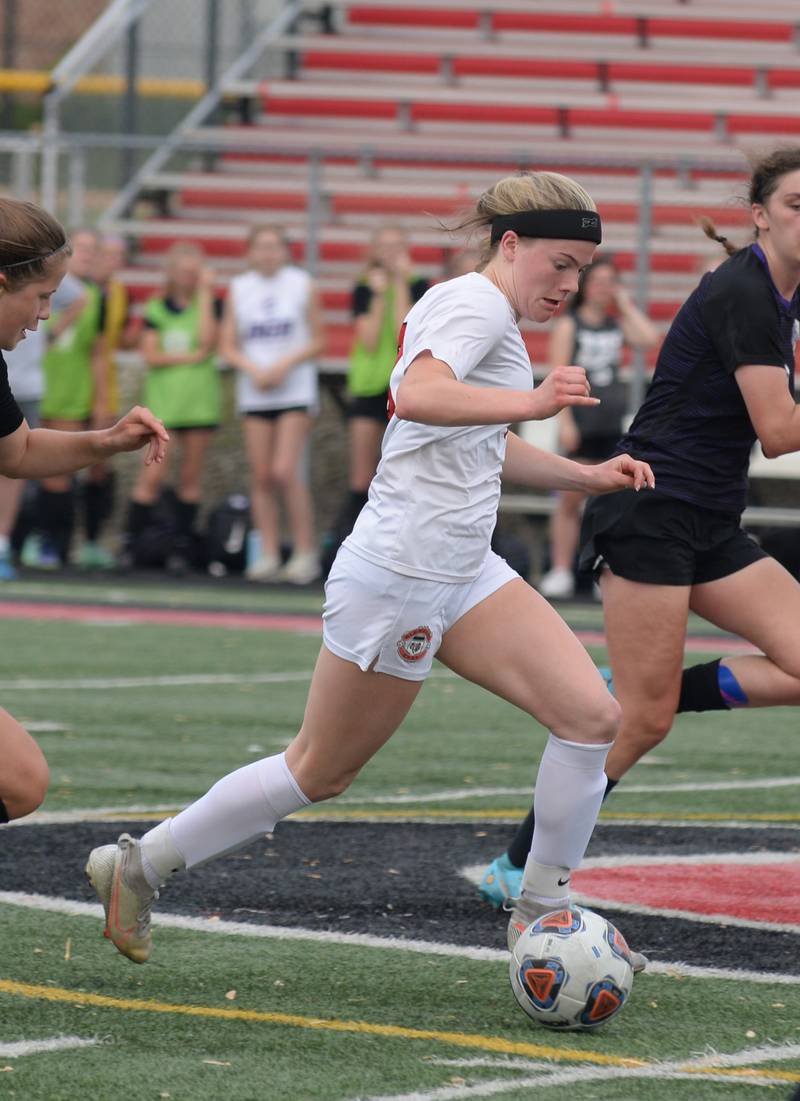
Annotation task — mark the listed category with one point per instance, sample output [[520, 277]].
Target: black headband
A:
[[566, 225]]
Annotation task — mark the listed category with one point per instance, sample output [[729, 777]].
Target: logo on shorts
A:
[[415, 644]]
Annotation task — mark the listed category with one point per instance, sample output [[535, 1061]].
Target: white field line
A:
[[43, 684], [451, 794], [696, 1070], [73, 908], [125, 813], [595, 901], [473, 873], [40, 1047]]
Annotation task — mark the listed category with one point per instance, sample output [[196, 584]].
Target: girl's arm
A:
[[637, 328], [430, 393], [229, 349], [270, 377], [562, 340], [368, 325], [773, 410], [527, 465], [43, 452], [150, 349], [209, 328]]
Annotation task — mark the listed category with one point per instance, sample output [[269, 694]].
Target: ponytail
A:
[[710, 231]]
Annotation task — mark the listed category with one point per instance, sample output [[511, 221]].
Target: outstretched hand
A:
[[562, 387], [139, 428], [621, 472]]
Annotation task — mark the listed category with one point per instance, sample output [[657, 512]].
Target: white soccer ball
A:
[[571, 969]]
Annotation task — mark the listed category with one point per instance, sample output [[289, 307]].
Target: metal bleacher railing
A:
[[158, 165]]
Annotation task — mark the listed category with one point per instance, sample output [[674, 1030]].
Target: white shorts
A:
[[394, 624]]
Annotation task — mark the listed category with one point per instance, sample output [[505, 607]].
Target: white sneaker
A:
[[301, 569], [557, 584], [115, 872], [265, 568]]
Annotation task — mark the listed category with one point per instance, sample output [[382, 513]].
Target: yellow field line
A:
[[292, 1020], [475, 814], [365, 1028]]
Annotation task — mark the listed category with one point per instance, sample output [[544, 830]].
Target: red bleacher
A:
[[394, 83]]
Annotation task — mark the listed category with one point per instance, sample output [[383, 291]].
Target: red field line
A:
[[267, 621]]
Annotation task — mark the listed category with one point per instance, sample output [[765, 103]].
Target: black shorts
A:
[[596, 448], [373, 407], [273, 414], [660, 540], [191, 427]]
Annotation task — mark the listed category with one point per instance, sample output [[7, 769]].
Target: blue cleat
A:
[[501, 881], [605, 673]]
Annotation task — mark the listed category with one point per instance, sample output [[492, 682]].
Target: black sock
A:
[[56, 519], [3, 812], [185, 516], [523, 839], [98, 498], [700, 688], [139, 517]]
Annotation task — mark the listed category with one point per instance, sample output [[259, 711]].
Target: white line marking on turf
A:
[[40, 1047], [598, 902], [74, 908], [43, 727], [451, 794], [691, 1070], [118, 813], [473, 873], [32, 684]]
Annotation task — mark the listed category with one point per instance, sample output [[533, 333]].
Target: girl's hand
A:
[[621, 472], [139, 428], [563, 386]]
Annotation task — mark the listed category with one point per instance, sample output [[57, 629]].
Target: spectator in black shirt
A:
[[33, 259], [724, 379]]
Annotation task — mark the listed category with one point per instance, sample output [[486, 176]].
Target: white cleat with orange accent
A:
[[115, 872]]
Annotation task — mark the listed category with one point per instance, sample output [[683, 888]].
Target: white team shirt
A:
[[433, 502], [272, 322]]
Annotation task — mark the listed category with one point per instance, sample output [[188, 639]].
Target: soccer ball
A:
[[571, 969]]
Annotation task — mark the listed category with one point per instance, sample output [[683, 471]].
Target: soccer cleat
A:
[[264, 568], [7, 571], [501, 881], [301, 569], [94, 556], [557, 584], [523, 912], [115, 872], [38, 554], [605, 673], [638, 962]]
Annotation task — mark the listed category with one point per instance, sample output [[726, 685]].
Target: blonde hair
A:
[[526, 191], [29, 236]]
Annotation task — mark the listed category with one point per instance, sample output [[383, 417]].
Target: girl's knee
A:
[[29, 787]]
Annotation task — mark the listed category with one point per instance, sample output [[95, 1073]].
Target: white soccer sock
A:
[[239, 808], [569, 792]]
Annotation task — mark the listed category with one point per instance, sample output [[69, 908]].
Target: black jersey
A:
[[10, 413], [598, 349], [693, 426]]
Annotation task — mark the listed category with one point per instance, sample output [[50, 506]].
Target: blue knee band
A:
[[729, 687]]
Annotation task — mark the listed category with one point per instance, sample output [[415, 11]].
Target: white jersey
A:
[[433, 502], [272, 322]]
